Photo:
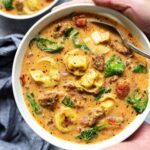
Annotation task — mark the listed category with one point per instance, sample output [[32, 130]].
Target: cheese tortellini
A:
[[76, 62], [46, 72], [61, 117], [31, 6], [91, 81], [97, 49], [107, 102]]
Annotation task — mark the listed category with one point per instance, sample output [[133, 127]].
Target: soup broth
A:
[[23, 7], [80, 82]]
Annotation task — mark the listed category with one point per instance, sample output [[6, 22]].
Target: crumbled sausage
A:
[[50, 121], [93, 116], [98, 62], [128, 62], [19, 5], [122, 89], [114, 121], [113, 79], [59, 30], [119, 47], [80, 21], [70, 87], [49, 100], [84, 121], [67, 121], [1, 6]]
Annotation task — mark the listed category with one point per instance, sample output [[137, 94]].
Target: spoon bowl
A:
[[124, 40]]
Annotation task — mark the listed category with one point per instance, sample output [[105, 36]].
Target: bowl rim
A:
[[55, 140], [25, 17]]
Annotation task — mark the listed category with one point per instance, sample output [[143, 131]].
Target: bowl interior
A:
[[22, 17], [17, 68]]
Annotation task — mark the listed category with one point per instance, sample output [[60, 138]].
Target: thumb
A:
[[120, 5], [124, 6]]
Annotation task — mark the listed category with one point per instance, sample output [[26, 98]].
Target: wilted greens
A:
[[47, 45], [90, 134], [77, 43], [33, 103], [67, 101], [140, 69], [67, 33], [138, 100], [8, 4], [102, 91], [114, 66]]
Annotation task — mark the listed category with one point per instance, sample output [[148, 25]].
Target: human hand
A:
[[139, 140], [137, 11]]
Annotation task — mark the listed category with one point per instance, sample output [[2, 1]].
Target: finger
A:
[[126, 146], [129, 12], [144, 132], [114, 4], [136, 141], [125, 6]]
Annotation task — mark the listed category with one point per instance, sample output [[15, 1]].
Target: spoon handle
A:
[[137, 50]]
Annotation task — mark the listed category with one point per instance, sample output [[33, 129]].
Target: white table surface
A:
[[8, 26]]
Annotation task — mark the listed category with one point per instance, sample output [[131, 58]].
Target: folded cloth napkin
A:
[[15, 134]]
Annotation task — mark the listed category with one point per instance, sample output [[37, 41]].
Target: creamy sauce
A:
[[85, 100], [25, 7]]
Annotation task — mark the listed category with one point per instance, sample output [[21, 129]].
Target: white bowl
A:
[[23, 17], [17, 68]]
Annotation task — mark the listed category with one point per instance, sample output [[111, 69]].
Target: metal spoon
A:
[[125, 41]]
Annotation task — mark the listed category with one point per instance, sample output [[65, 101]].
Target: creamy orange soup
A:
[[23, 7], [80, 82]]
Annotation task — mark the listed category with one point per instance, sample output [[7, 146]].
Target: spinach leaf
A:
[[8, 4], [68, 102], [102, 91], [33, 103], [47, 45], [114, 66], [138, 101], [68, 32], [77, 43], [89, 135], [140, 69]]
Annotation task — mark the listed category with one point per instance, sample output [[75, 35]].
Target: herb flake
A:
[[68, 102], [140, 69]]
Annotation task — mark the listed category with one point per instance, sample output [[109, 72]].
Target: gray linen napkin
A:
[[15, 134]]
